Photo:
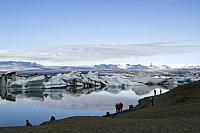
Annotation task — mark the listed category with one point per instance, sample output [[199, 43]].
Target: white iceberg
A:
[[19, 84], [36, 81]]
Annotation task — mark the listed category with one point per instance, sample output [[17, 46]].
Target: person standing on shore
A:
[[154, 92], [160, 91], [28, 124], [108, 114], [52, 118]]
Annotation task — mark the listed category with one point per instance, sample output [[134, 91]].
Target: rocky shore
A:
[[177, 111]]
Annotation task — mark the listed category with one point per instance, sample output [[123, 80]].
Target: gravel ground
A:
[[112, 125]]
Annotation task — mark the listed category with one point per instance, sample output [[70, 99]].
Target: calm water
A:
[[38, 105]]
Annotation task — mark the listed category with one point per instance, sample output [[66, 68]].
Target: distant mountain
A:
[[18, 65], [24, 66], [106, 66], [116, 67], [139, 66]]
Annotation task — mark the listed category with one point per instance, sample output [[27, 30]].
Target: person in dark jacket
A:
[[108, 114], [52, 118], [154, 92], [28, 124]]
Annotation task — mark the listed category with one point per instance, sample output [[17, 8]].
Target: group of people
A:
[[155, 92], [119, 106], [152, 99]]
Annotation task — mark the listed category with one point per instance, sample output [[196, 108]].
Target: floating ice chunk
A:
[[119, 81], [18, 83], [36, 81]]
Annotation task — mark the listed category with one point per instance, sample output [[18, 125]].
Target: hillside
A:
[[182, 102]]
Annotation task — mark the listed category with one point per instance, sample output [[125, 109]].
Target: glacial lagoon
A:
[[38, 105]]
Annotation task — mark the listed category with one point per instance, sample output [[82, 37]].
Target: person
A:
[[131, 106], [154, 92], [152, 101], [160, 91], [108, 114], [119, 107], [52, 118], [28, 124]]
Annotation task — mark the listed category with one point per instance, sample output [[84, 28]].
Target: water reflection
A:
[[58, 94], [37, 105]]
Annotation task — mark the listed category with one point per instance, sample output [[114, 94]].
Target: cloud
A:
[[92, 53]]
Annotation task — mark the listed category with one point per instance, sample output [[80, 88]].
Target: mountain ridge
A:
[[22, 65]]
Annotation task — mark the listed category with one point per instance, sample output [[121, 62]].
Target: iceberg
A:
[[18, 84], [150, 80], [74, 79], [119, 81], [36, 81]]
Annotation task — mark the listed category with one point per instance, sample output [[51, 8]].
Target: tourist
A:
[[131, 106], [108, 114], [119, 107], [28, 124], [154, 92], [52, 118], [160, 91]]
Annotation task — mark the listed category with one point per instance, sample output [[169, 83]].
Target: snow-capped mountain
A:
[[120, 66], [18, 65], [106, 66], [21, 66]]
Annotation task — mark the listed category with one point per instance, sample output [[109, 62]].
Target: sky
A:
[[88, 32]]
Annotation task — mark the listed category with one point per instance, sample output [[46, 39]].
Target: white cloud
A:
[[69, 54]]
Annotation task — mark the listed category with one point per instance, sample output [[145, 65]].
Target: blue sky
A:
[[29, 25]]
